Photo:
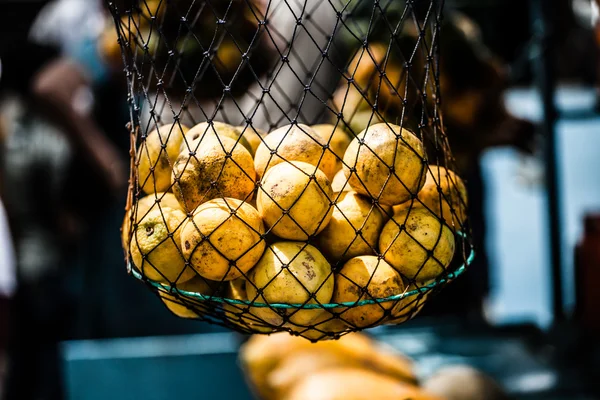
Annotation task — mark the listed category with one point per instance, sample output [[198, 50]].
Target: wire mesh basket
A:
[[289, 166]]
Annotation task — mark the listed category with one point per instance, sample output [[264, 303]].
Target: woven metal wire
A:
[[231, 221]]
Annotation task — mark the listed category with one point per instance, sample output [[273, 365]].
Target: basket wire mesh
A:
[[315, 191]]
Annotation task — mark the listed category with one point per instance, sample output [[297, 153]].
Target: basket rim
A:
[[217, 299]]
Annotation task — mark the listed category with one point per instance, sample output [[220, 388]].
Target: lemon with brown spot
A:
[[408, 249], [156, 156], [388, 163], [292, 273], [353, 229], [379, 280], [155, 246], [296, 142], [142, 207], [294, 200], [223, 239], [218, 167]]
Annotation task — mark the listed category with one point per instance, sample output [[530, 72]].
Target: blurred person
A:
[[34, 160], [112, 303], [86, 93], [64, 177]]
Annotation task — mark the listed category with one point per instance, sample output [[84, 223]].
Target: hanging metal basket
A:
[[290, 169]]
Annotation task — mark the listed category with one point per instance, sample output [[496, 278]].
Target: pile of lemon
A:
[[301, 215]]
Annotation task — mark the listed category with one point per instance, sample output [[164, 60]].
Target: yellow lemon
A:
[[353, 229], [223, 240], [292, 273], [408, 239], [294, 200], [377, 278], [185, 306], [294, 143], [155, 247], [156, 156], [385, 162], [216, 167]]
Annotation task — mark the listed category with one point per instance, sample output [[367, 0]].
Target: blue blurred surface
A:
[[202, 366]]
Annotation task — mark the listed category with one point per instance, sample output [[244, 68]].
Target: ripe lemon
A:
[[156, 201], [379, 280], [242, 315], [178, 303], [155, 247], [445, 194], [336, 138], [353, 229], [216, 167], [324, 327], [223, 240], [156, 156], [294, 200], [142, 207], [292, 273], [385, 162], [407, 240], [204, 130], [294, 143], [407, 308], [253, 136], [340, 183]]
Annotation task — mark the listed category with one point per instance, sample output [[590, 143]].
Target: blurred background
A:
[[525, 79]]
